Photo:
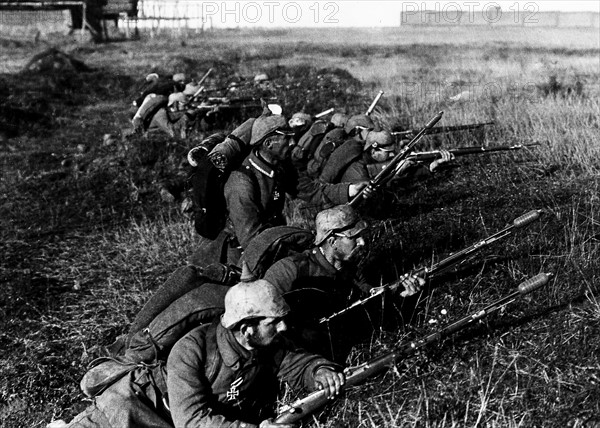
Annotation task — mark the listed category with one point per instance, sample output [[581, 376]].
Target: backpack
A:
[[330, 142], [192, 296], [151, 104], [212, 162], [339, 159], [188, 299], [198, 306], [149, 348], [183, 280], [273, 244], [310, 140], [162, 86]]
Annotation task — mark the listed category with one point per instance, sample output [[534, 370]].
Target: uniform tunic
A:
[[215, 382], [255, 195], [313, 289], [210, 381]]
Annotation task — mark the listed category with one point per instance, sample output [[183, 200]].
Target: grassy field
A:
[[86, 236]]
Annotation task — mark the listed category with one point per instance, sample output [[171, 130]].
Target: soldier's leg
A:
[[211, 251], [91, 417], [124, 404], [127, 405], [161, 121]]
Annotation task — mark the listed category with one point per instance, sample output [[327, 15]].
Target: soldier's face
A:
[[348, 248], [380, 155], [281, 146], [265, 332]]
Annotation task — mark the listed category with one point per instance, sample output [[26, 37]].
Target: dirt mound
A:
[[311, 89], [34, 103], [54, 61]]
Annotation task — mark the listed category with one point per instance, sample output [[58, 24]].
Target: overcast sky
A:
[[361, 13]]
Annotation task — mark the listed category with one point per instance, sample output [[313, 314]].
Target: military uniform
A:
[[255, 196], [313, 288], [352, 163], [212, 382], [215, 382], [310, 269]]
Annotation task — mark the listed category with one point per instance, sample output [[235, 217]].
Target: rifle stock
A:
[[389, 170], [447, 263], [308, 405]]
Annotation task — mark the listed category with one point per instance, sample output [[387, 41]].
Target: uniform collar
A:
[[261, 165], [321, 260], [233, 354]]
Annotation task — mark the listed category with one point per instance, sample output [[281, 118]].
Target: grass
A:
[[86, 237]]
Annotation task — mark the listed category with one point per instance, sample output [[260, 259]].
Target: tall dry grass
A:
[[534, 364]]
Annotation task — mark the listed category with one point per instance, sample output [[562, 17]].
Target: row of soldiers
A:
[[225, 372], [176, 104], [320, 163]]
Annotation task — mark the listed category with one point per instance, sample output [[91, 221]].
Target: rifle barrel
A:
[[374, 103], [388, 170], [460, 256], [304, 407], [442, 129], [205, 76], [448, 262], [462, 151]]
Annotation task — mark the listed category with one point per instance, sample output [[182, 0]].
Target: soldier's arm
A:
[[300, 369], [322, 194], [355, 173], [243, 207]]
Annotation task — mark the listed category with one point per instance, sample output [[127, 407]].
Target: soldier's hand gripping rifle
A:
[[446, 264], [374, 103], [308, 405], [390, 169], [462, 151], [441, 129]]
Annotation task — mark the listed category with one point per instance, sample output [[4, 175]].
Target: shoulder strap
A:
[[213, 357], [237, 139]]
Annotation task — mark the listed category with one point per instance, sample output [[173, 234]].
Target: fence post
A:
[[83, 12]]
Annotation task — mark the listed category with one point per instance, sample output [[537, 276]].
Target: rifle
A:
[[390, 169], [200, 89], [442, 129], [214, 104], [308, 405], [374, 103], [462, 151], [323, 113], [447, 263]]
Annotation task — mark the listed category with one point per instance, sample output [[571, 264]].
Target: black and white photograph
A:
[[285, 214]]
